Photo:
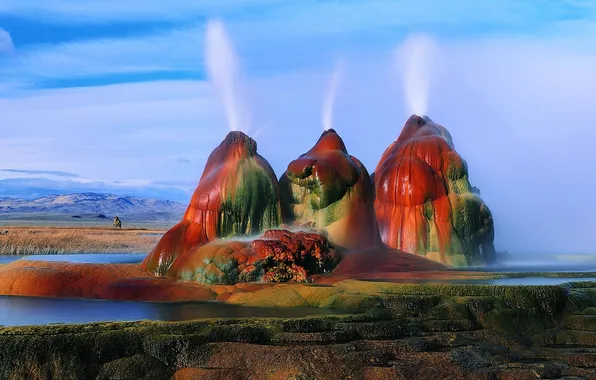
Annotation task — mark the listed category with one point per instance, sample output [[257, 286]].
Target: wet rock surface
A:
[[275, 256], [390, 331], [331, 190], [237, 195], [424, 201]]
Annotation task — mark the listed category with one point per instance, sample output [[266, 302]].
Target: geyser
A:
[[223, 69], [330, 190], [414, 59], [329, 100], [424, 201], [237, 195]]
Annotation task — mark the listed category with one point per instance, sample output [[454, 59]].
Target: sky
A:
[[117, 95]]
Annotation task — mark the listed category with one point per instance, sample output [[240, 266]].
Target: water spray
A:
[[414, 58], [328, 102], [258, 132], [223, 69]]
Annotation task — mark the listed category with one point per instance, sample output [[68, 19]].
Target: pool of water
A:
[[530, 280], [543, 263], [92, 258], [22, 311]]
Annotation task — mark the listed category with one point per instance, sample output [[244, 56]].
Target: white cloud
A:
[[281, 36], [6, 45], [308, 14], [91, 11], [172, 50], [119, 131]]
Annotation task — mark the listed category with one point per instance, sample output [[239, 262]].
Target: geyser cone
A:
[[237, 195], [424, 201], [418, 126], [328, 188]]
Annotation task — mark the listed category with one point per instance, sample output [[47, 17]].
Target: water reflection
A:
[[19, 311]]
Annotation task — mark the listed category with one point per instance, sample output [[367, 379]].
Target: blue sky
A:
[[116, 92]]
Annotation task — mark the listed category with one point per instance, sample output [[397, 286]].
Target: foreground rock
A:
[[389, 331], [99, 281], [237, 195], [330, 190], [276, 256], [424, 201]]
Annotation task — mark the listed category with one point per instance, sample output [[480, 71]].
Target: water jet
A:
[[414, 60], [224, 71], [329, 100]]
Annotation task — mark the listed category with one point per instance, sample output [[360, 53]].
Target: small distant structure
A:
[[117, 222]]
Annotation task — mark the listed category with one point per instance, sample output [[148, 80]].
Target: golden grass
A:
[[65, 240]]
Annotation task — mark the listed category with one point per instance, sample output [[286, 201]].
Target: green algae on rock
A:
[[237, 195], [275, 256], [425, 204], [328, 189], [418, 331]]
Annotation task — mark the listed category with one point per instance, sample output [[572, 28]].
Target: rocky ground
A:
[[389, 331]]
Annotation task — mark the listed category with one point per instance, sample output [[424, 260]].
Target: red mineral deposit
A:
[[424, 201], [330, 190], [237, 195], [276, 256]]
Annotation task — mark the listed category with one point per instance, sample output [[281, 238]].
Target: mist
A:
[[520, 114]]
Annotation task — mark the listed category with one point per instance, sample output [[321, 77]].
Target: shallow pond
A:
[[530, 280], [543, 263], [91, 258], [20, 311], [31, 311]]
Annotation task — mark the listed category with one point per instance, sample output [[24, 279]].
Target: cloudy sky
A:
[[116, 95]]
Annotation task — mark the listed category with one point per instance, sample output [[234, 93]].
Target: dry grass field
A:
[[33, 240]]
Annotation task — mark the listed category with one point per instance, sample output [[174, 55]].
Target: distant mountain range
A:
[[109, 205], [31, 185]]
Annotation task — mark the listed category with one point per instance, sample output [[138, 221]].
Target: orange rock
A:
[[384, 260], [156, 289], [237, 195], [424, 201], [210, 374], [105, 281]]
